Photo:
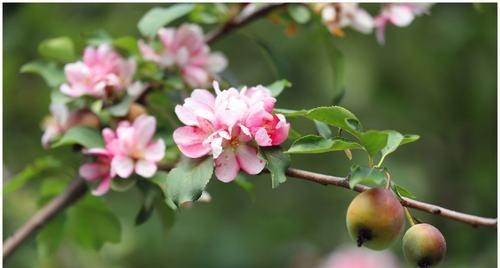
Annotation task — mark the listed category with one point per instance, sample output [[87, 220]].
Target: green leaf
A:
[[99, 37], [299, 13], [401, 191], [312, 144], [338, 117], [60, 49], [150, 193], [290, 113], [186, 182], [32, 171], [293, 134], [158, 17], [408, 138], [323, 129], [91, 223], [385, 141], [365, 175], [84, 136], [165, 213], [277, 87], [121, 109], [127, 43], [49, 237], [52, 75], [277, 164]]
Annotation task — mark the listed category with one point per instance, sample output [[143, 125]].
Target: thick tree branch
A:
[[74, 192]]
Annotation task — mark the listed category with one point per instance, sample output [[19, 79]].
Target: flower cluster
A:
[[230, 126], [101, 73], [340, 15], [129, 149], [186, 49]]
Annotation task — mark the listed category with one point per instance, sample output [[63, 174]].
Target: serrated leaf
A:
[[277, 163], [365, 175], [299, 13], [338, 117], [186, 182], [384, 141], [323, 129], [52, 75], [158, 17], [312, 144], [84, 136], [290, 113], [60, 49], [32, 171], [91, 223], [278, 86]]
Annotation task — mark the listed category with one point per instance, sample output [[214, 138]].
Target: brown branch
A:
[[74, 192], [239, 21], [407, 202]]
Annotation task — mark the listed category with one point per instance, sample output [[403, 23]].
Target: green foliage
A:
[[127, 43], [49, 71], [323, 129], [60, 49], [39, 167], [365, 175], [50, 236], [158, 17], [311, 144], [186, 182], [243, 181], [84, 136], [277, 87], [299, 13], [400, 191], [209, 14], [123, 185], [121, 109], [338, 117], [91, 223], [277, 163]]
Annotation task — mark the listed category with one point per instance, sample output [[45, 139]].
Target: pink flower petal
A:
[[186, 116], [122, 165], [103, 187], [145, 168], [262, 138], [145, 127], [155, 151], [226, 166], [190, 141], [249, 160], [91, 171], [147, 52], [195, 76]]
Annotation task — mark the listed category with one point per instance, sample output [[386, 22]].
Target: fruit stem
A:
[[388, 184], [409, 216]]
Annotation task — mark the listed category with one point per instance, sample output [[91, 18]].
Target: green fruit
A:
[[375, 218], [424, 245]]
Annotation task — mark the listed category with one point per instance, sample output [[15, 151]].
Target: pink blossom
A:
[[99, 170], [186, 49], [226, 126], [352, 257], [133, 149], [101, 72], [400, 15], [339, 15]]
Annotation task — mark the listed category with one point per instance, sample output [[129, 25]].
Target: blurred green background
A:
[[436, 78]]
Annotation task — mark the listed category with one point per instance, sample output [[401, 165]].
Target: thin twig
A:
[[407, 202]]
